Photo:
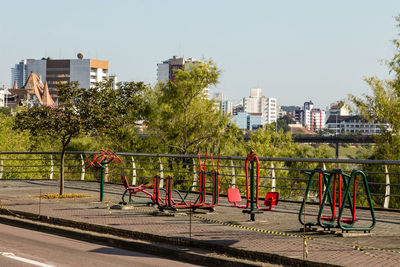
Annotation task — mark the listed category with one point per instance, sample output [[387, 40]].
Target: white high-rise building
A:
[[306, 116], [270, 111], [257, 104]]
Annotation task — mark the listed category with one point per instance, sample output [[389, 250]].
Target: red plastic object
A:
[[234, 197], [271, 200], [136, 189]]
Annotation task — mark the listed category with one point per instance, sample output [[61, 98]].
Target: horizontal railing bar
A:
[[278, 159]]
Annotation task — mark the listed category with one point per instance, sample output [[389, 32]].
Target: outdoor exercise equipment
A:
[[333, 182], [101, 161], [133, 190], [183, 202], [252, 190]]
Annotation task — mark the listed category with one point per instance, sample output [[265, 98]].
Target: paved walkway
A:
[[274, 232]]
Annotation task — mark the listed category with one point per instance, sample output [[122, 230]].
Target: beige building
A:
[[33, 93]]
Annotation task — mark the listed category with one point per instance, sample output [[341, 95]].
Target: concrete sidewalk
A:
[[275, 236]]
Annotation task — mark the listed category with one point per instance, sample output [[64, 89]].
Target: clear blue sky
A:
[[294, 50]]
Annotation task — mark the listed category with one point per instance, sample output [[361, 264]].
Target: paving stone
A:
[[277, 231]]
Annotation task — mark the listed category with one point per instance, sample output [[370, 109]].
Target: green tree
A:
[[5, 110], [93, 111], [182, 119], [267, 142], [283, 123], [9, 139], [384, 106]]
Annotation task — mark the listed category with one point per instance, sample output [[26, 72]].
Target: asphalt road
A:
[[20, 247]]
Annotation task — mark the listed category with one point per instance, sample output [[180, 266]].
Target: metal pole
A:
[[133, 171], [194, 183], [336, 126], [83, 168], [190, 225], [252, 192], [324, 168], [106, 174], [337, 150], [337, 154], [233, 175], [161, 173], [273, 181], [51, 167], [387, 189], [102, 183]]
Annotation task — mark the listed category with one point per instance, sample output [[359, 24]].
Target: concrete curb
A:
[[173, 252], [117, 238]]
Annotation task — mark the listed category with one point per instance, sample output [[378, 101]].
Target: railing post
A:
[[273, 181], [324, 169], [106, 174], [133, 171], [83, 168], [233, 175], [194, 183], [1, 166], [161, 173], [387, 189], [51, 167]]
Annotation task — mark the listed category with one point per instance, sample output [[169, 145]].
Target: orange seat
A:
[[271, 200]]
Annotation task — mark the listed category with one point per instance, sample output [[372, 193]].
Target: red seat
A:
[[234, 195], [271, 200]]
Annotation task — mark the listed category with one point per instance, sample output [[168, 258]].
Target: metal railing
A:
[[285, 175]]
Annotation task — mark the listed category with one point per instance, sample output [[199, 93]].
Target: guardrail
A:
[[285, 175]]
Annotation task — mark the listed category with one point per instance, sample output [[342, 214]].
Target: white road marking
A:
[[12, 256]]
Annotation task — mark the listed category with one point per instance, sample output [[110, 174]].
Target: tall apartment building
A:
[[310, 117], [270, 111], [85, 71], [259, 104], [165, 69], [225, 106]]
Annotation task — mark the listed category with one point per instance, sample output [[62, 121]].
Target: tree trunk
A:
[[62, 171]]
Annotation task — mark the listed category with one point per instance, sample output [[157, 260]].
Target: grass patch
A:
[[58, 196]]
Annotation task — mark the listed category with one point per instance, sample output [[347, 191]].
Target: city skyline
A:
[[293, 51]]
